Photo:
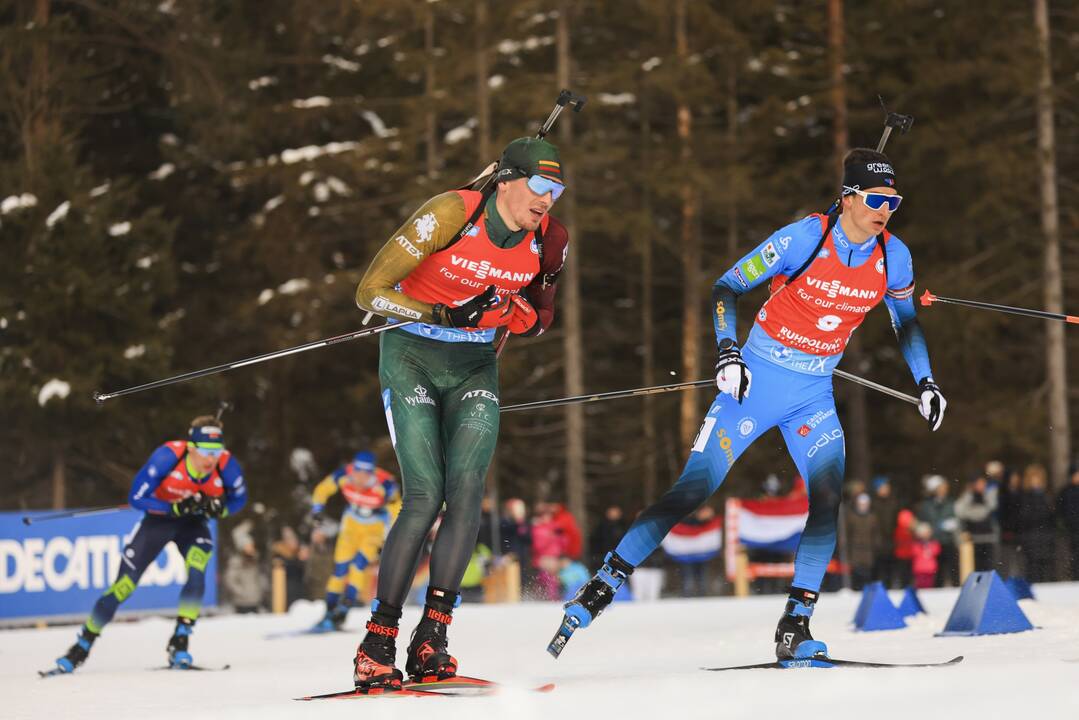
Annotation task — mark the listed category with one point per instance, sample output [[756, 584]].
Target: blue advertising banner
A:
[[61, 567]]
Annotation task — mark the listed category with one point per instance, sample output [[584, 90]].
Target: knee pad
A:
[[122, 588], [197, 558]]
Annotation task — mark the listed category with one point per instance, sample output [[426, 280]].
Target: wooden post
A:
[[966, 558], [504, 583], [741, 573], [278, 588]]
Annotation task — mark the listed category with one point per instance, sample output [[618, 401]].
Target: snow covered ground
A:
[[637, 661]]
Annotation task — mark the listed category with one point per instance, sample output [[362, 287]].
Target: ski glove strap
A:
[[190, 505], [469, 313], [214, 507], [732, 375], [931, 403]]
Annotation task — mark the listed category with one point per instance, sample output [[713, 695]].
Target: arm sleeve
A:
[[541, 291], [325, 490], [430, 229], [232, 475], [899, 299], [148, 478], [781, 254]]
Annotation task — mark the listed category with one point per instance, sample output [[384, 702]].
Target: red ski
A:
[[464, 685]]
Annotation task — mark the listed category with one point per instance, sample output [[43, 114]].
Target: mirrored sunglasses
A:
[[875, 201], [541, 186]]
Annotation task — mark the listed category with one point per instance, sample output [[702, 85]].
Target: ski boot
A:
[[374, 662], [596, 594], [428, 659], [77, 653], [793, 639], [333, 620], [179, 657]]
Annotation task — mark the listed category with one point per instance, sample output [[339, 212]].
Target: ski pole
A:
[[929, 298], [675, 387], [100, 397], [878, 387], [28, 520]]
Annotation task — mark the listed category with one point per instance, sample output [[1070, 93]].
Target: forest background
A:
[[188, 183]]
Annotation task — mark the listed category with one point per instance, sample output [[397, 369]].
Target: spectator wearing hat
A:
[[903, 539], [1037, 536], [924, 563], [976, 509], [938, 511], [885, 509], [863, 538]]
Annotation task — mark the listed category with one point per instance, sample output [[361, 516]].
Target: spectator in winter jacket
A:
[[863, 536], [548, 547], [1037, 534], [924, 563], [570, 530], [904, 545], [1008, 516], [516, 533], [976, 509], [1068, 514], [886, 510], [244, 579], [938, 511], [606, 534]]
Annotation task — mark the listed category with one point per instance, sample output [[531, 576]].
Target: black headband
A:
[[864, 175]]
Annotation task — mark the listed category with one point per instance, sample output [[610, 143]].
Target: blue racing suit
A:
[[790, 389]]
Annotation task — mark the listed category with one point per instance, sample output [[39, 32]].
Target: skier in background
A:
[[181, 486], [373, 503]]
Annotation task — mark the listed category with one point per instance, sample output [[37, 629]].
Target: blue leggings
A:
[[804, 409]]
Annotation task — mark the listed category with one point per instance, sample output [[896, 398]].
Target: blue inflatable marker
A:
[[910, 604], [985, 607], [1020, 588], [876, 612]]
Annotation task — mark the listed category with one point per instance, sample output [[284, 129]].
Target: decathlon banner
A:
[[61, 567]]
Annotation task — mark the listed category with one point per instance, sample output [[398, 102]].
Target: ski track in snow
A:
[[637, 661]]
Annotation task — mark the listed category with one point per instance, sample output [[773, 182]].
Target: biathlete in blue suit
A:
[[826, 272], [181, 486]]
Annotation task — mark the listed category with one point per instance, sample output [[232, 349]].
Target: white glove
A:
[[931, 403], [732, 375]]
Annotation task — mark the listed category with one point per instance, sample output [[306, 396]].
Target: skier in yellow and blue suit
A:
[[374, 499]]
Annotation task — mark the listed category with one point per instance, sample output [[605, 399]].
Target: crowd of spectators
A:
[[1010, 518]]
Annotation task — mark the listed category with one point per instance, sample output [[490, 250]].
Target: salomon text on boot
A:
[[793, 639]]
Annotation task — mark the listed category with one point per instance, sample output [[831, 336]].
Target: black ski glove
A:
[[190, 505], [468, 314], [214, 507]]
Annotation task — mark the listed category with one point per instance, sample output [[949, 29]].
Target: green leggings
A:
[[441, 402]]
